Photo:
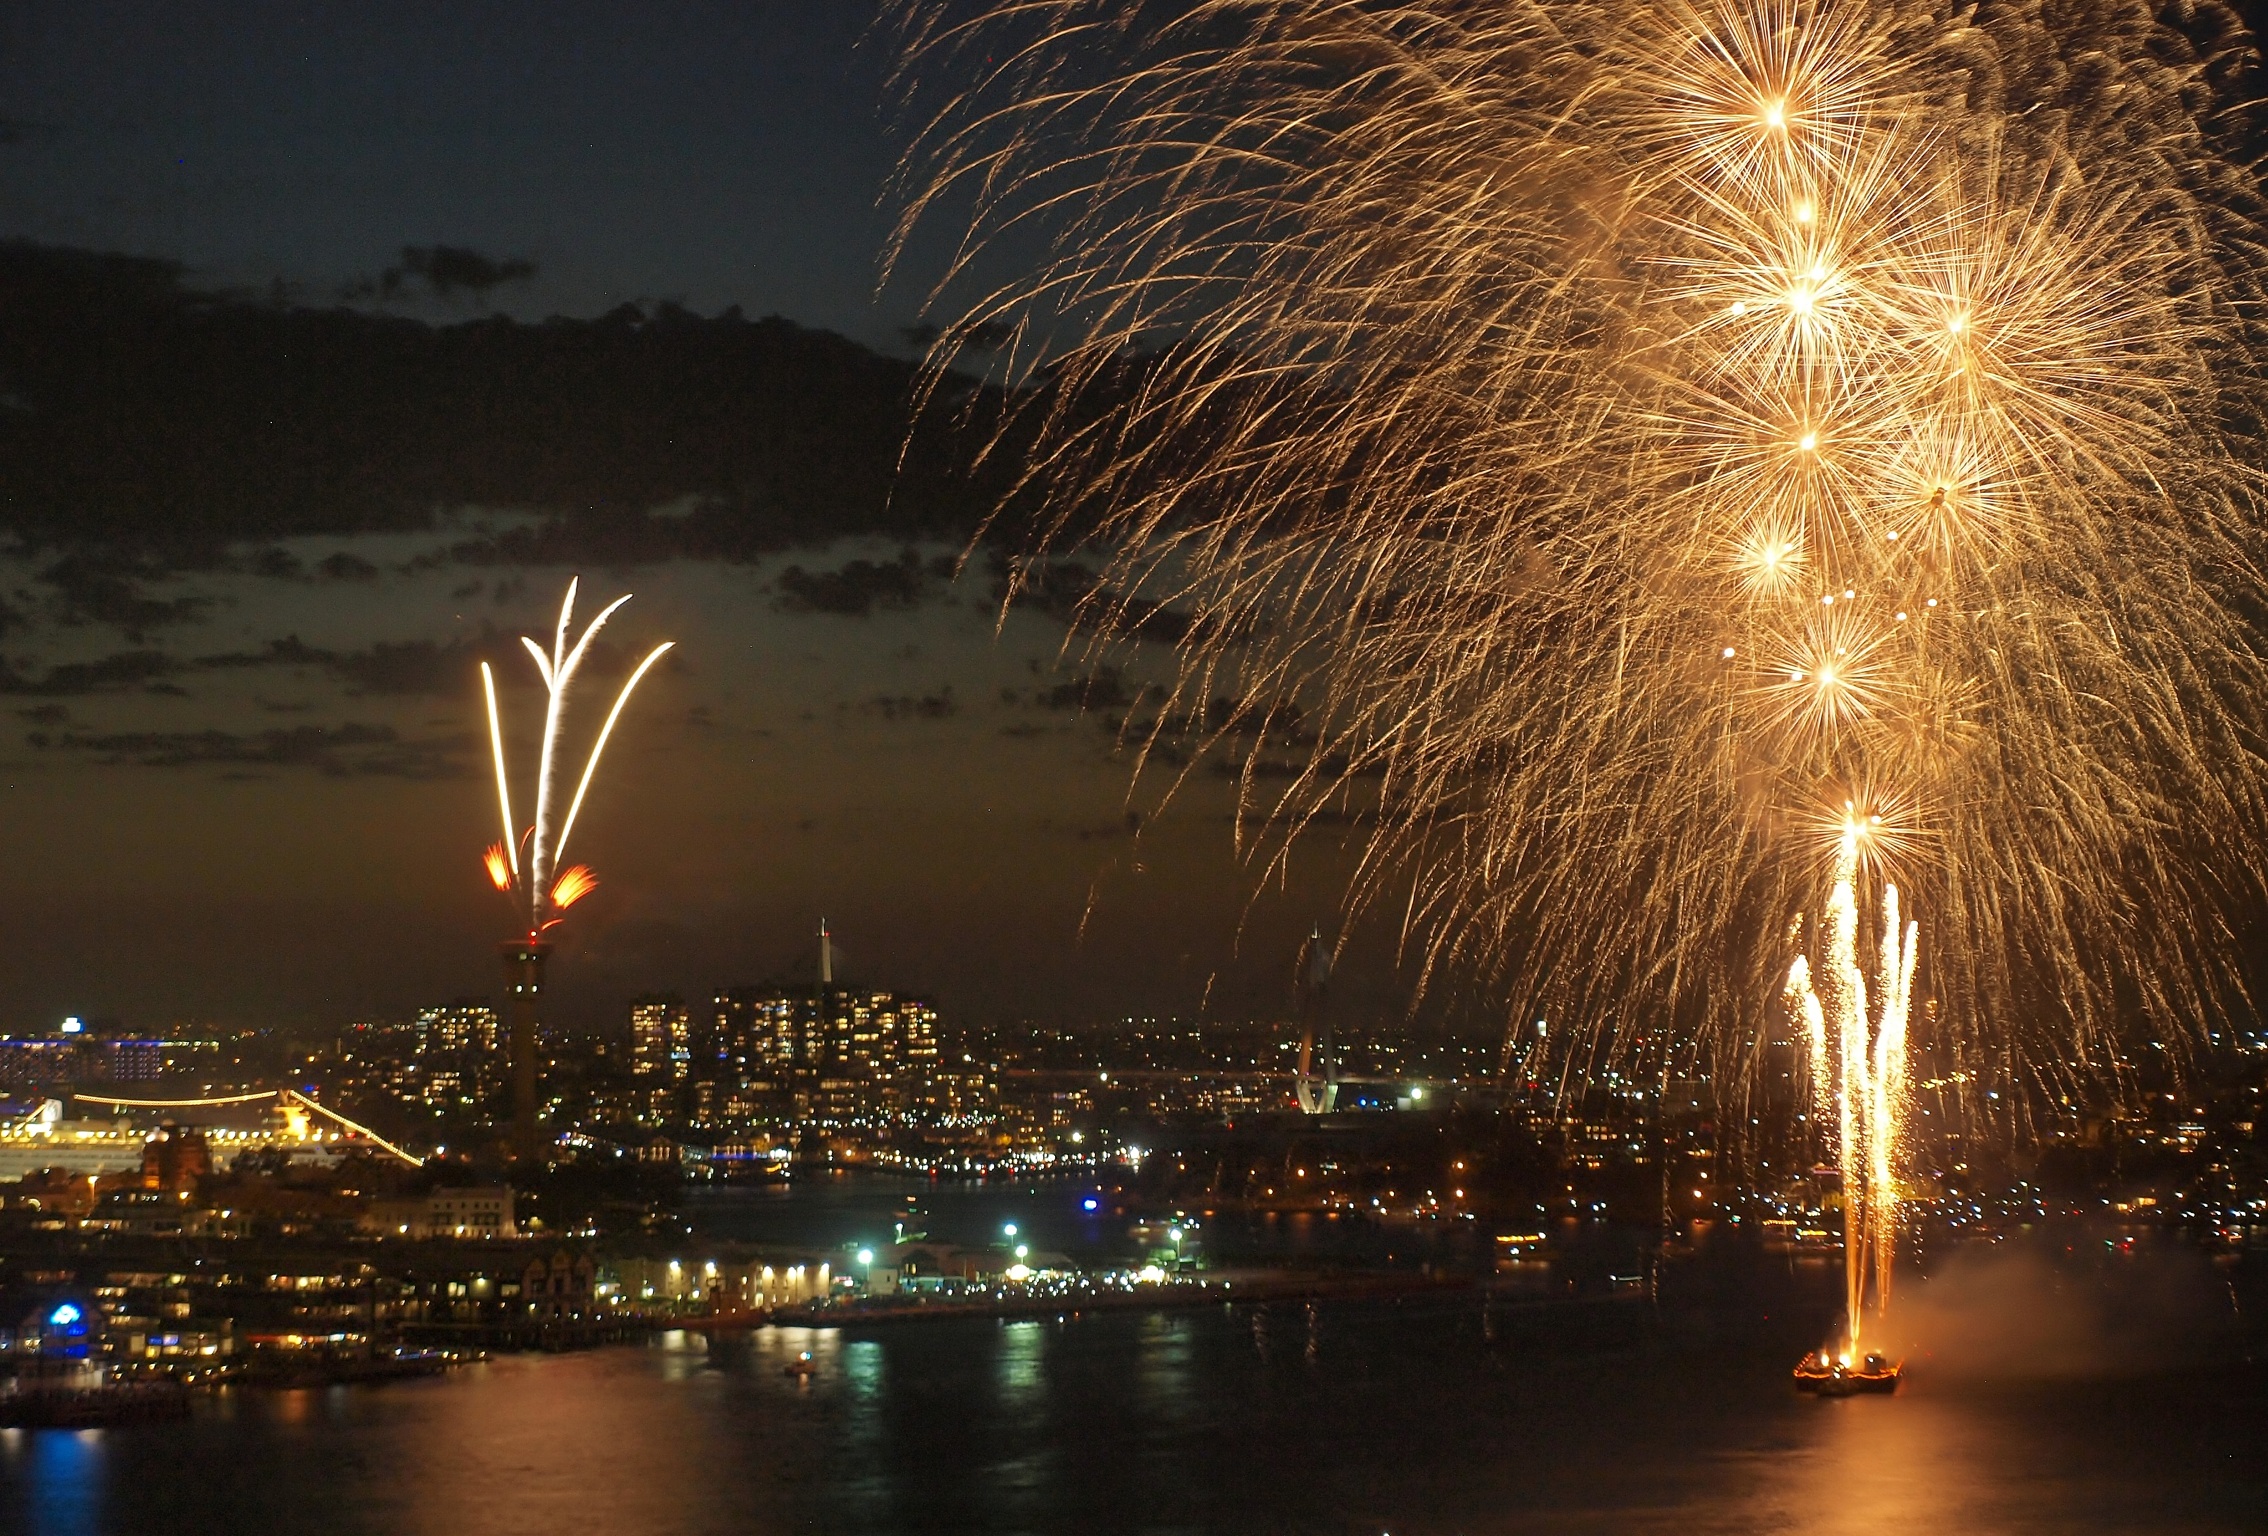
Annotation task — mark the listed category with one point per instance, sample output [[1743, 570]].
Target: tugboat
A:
[[1830, 1375]]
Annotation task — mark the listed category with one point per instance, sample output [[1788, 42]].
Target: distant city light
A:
[[1091, 1203], [73, 1025]]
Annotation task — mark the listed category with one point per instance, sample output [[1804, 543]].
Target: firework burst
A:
[[537, 884], [1635, 435]]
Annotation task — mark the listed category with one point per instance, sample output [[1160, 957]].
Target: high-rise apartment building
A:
[[831, 1051], [468, 1024], [661, 1040]]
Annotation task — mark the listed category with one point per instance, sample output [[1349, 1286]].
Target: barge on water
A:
[[1830, 1375]]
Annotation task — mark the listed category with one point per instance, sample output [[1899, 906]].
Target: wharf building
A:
[[728, 1285], [481, 1211]]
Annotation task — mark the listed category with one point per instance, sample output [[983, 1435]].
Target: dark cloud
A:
[[165, 426], [1073, 595], [126, 669], [1224, 718], [388, 669], [443, 271], [451, 269], [1259, 766], [106, 587], [859, 587], [1103, 688], [290, 651], [345, 567], [275, 563], [933, 706], [982, 336], [342, 751], [396, 668], [45, 714], [1129, 825], [407, 667]]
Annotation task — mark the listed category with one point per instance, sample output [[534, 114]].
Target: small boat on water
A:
[[1832, 1375], [801, 1365]]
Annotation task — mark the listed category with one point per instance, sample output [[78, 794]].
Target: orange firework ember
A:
[[499, 866], [572, 886]]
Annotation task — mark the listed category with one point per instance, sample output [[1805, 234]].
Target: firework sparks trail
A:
[[1626, 445], [546, 889], [1859, 1076]]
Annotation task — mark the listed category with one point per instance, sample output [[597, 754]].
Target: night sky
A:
[[243, 776], [710, 153]]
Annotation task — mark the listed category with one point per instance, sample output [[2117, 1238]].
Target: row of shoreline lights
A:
[[1022, 1271]]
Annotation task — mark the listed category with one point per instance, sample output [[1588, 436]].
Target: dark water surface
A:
[[1410, 1419]]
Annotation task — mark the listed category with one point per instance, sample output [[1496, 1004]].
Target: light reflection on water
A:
[[1399, 1419]]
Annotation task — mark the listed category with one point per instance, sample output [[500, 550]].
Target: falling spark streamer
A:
[[1858, 1077]]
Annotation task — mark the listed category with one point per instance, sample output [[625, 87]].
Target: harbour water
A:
[[1397, 1419], [1433, 1415]]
